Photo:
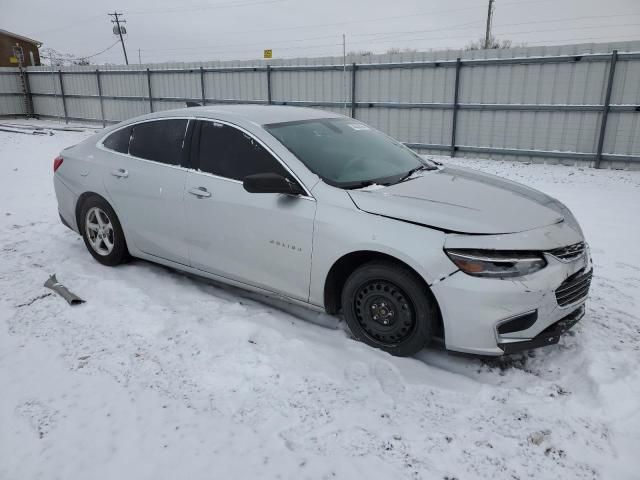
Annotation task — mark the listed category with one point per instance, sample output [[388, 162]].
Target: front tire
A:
[[387, 306], [102, 232]]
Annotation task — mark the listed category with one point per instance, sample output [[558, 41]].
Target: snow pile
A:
[[162, 376]]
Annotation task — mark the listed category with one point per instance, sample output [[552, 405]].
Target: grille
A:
[[574, 288], [566, 254]]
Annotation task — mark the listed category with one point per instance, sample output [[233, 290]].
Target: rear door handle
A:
[[200, 192], [120, 173]]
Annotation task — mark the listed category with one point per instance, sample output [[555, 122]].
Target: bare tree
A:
[[55, 58], [494, 43], [401, 50], [361, 53]]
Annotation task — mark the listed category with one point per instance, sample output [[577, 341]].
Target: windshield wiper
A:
[[419, 168], [366, 183]]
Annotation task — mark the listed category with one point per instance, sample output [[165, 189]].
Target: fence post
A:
[[354, 67], [64, 101], [269, 100], [454, 120], [204, 97], [149, 85], [99, 83], [606, 107]]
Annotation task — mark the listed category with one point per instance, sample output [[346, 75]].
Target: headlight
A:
[[496, 264]]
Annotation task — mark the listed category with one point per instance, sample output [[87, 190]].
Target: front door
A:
[[260, 239]]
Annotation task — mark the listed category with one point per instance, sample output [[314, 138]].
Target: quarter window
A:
[[228, 152], [159, 140], [119, 140]]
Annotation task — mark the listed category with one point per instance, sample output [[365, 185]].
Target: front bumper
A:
[[549, 336], [473, 308]]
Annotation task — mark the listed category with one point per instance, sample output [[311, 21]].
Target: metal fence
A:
[[566, 104]]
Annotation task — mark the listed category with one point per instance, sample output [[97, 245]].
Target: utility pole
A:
[[344, 71], [487, 35], [119, 30]]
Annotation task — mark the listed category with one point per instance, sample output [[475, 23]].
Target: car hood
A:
[[463, 201]]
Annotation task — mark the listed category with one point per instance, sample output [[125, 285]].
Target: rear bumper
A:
[[66, 203]]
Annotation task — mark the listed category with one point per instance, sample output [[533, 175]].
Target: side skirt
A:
[[218, 279]]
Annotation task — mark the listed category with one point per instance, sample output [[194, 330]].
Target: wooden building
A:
[[14, 47]]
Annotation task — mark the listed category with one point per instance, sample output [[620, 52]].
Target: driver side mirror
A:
[[271, 183]]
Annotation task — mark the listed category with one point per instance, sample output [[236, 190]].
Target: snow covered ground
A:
[[161, 376]]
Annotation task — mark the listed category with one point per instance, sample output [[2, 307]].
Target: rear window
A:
[[119, 140], [159, 140]]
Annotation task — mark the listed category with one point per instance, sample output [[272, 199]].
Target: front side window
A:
[[118, 141], [159, 140], [228, 152], [346, 153]]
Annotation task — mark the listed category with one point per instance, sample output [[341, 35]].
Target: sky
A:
[[195, 30]]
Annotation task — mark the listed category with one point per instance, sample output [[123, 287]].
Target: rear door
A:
[[146, 180], [262, 239]]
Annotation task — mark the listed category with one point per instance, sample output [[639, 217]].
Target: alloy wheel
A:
[[99, 231]]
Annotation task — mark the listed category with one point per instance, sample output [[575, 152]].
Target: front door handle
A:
[[120, 173], [200, 192]]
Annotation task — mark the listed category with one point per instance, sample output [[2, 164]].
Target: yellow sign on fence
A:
[[268, 53], [14, 59]]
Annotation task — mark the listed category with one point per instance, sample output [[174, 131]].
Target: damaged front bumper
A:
[[488, 316], [549, 336]]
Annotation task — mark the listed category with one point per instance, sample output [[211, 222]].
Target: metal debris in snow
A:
[[71, 298]]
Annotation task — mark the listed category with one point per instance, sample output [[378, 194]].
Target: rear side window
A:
[[119, 140], [159, 140], [228, 152]]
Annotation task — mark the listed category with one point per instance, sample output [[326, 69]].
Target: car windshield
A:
[[346, 153]]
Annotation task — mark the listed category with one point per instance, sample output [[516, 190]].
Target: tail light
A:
[[57, 162]]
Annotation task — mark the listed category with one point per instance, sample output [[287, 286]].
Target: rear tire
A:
[[387, 306], [102, 232]]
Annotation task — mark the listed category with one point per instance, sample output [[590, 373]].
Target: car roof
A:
[[258, 114]]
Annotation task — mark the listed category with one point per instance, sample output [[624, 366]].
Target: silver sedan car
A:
[[322, 210]]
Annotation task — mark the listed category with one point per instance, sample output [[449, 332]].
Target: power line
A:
[[399, 33], [69, 57], [222, 49], [513, 33], [403, 32], [202, 7], [471, 36], [100, 52], [288, 41]]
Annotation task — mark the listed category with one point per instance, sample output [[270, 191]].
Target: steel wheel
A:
[[385, 312], [99, 231]]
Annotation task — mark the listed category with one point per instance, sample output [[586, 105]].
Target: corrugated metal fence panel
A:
[[46, 83], [536, 84], [235, 86], [116, 84], [410, 125], [10, 83], [118, 110], [623, 132], [184, 85], [313, 86], [11, 104]]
